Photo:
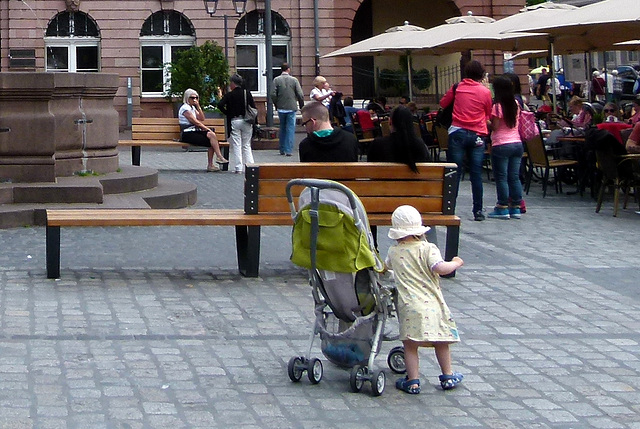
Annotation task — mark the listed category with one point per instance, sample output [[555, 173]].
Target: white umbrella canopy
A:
[[536, 53], [629, 45], [399, 40], [598, 26], [394, 41], [470, 32]]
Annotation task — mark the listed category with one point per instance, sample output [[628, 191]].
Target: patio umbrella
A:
[[399, 40], [536, 53], [413, 40], [599, 26], [538, 70]]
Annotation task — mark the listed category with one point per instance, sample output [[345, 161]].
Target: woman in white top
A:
[[195, 132], [321, 91]]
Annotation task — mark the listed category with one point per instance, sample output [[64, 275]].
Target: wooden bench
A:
[[166, 132], [382, 187]]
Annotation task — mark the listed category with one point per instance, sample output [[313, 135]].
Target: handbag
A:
[[251, 113], [444, 117], [527, 126]]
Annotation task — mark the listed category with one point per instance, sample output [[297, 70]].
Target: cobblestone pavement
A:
[[154, 328]]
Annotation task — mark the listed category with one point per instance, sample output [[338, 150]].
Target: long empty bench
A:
[[166, 132], [382, 187]]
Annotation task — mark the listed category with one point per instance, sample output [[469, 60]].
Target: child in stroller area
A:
[[423, 315]]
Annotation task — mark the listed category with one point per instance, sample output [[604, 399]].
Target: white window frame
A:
[[259, 41], [71, 43], [166, 42]]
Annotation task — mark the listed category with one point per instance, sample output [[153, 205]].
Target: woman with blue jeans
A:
[[471, 109], [506, 150]]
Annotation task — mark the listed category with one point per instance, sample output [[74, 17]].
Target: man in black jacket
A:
[[323, 142]]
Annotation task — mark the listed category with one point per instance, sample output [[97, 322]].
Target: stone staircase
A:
[[23, 204]]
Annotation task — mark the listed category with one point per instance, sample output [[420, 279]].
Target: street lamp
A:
[[211, 6]]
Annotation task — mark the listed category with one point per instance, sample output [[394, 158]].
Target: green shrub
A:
[[203, 68]]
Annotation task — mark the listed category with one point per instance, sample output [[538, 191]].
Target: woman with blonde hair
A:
[[321, 91], [195, 132]]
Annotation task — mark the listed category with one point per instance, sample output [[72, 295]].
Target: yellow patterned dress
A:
[[422, 313]]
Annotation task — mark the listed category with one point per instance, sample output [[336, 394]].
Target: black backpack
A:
[[444, 117]]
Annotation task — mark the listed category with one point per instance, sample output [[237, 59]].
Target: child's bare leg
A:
[[443, 355], [411, 359]]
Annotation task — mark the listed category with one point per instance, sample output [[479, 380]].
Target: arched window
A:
[[72, 43], [162, 35], [251, 50]]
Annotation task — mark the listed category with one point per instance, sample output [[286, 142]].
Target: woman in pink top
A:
[[468, 130], [506, 150]]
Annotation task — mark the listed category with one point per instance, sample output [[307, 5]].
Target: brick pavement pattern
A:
[[154, 328]]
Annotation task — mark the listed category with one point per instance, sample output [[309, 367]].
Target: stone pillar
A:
[[45, 113], [27, 150]]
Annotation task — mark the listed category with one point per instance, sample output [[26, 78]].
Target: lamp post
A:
[[211, 6]]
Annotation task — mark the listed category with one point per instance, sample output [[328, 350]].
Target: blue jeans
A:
[[505, 161], [287, 131], [463, 142]]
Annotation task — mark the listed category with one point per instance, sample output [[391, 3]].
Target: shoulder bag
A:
[[251, 113], [527, 126]]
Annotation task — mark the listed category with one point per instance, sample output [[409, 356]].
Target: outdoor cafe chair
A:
[[622, 172], [538, 158]]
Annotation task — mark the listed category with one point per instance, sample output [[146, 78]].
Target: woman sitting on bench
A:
[[195, 132]]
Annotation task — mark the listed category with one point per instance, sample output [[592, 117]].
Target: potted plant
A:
[[203, 68]]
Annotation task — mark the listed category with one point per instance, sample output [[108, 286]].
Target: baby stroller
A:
[[331, 237]]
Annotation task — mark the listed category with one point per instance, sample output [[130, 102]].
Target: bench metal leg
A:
[[135, 155], [248, 247], [53, 252], [453, 240], [225, 153]]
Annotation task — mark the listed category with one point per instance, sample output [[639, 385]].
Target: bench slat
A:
[[164, 121], [364, 188], [163, 217], [371, 204], [198, 217], [349, 170]]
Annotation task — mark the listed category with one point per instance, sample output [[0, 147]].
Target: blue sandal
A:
[[450, 381], [408, 386]]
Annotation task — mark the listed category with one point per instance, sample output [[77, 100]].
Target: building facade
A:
[[135, 39]]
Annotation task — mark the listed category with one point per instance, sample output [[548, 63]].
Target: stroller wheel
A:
[[314, 370], [395, 360], [378, 382], [295, 368], [358, 376]]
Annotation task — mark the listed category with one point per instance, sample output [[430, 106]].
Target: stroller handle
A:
[[322, 184]]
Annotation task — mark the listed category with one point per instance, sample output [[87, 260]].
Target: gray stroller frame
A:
[[354, 336]]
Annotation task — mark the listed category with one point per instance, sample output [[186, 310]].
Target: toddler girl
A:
[[425, 320]]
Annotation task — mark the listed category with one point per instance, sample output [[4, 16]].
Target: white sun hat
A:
[[406, 221]]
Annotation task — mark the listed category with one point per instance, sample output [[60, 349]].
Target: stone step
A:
[[167, 194], [80, 189]]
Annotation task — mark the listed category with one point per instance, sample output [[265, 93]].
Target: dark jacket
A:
[[385, 149], [339, 146], [232, 105]]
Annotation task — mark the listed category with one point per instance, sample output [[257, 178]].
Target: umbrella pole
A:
[[554, 100], [409, 76]]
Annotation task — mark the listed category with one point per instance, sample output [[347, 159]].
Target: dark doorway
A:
[[363, 71]]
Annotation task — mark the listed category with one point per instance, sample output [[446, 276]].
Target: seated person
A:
[[402, 145], [633, 142], [348, 110], [635, 117], [413, 108], [581, 120], [611, 112], [378, 107], [323, 142]]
